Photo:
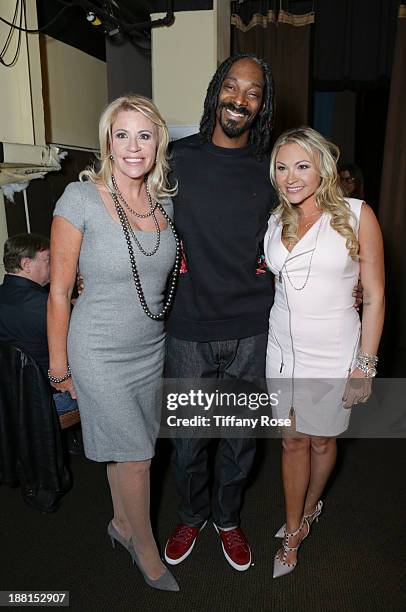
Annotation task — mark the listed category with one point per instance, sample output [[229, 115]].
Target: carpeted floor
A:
[[354, 559]]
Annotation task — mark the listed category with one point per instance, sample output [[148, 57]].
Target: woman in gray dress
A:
[[115, 224]]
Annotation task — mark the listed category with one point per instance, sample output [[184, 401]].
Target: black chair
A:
[[31, 452]]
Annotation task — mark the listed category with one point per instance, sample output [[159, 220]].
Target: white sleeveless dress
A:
[[314, 330]]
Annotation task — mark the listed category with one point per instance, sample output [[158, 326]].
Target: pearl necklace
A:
[[128, 224], [137, 281], [134, 212]]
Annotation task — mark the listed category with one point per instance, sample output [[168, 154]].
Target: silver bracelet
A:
[[370, 359], [60, 379], [369, 370]]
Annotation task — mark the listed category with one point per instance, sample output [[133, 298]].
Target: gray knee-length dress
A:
[[116, 352]]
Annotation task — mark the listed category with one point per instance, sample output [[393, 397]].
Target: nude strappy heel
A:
[[281, 567], [311, 518]]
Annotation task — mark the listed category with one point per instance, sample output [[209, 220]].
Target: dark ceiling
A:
[[72, 27], [159, 6]]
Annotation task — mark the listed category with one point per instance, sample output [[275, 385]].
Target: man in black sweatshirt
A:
[[219, 322]]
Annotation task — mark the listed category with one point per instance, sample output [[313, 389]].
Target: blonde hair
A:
[[157, 176], [329, 195]]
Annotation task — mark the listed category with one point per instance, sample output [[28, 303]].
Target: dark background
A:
[[357, 100]]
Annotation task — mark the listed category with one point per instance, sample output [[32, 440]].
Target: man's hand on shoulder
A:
[[358, 293]]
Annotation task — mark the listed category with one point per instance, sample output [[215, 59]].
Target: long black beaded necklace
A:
[[152, 212], [128, 232]]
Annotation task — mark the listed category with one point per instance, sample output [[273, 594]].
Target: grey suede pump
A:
[[166, 582]]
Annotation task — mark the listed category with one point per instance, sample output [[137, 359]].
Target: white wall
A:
[[21, 103], [21, 106], [53, 86], [183, 62], [75, 92]]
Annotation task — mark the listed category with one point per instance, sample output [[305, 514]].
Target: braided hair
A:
[[260, 132]]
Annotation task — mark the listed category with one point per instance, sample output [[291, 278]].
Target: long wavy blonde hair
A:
[[157, 176], [329, 195]]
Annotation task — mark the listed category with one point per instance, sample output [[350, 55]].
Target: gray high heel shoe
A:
[[280, 566], [314, 516], [115, 536], [166, 582]]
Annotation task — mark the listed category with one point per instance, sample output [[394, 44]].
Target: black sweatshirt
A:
[[221, 212]]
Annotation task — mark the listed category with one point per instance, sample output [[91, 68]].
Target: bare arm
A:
[[372, 274], [66, 241]]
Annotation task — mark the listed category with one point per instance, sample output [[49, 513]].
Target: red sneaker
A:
[[180, 543], [235, 548]]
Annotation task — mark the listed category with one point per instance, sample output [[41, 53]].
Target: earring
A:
[[111, 158]]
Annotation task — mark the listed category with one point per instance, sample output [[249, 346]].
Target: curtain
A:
[[283, 40], [392, 210], [353, 43], [353, 51]]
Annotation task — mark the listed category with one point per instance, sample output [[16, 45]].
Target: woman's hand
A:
[[357, 390], [66, 385]]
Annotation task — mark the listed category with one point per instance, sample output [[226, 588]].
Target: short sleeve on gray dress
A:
[[70, 206]]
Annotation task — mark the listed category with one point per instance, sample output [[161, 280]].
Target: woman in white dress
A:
[[324, 357]]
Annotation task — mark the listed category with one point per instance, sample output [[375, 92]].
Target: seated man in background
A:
[[23, 297], [23, 307]]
